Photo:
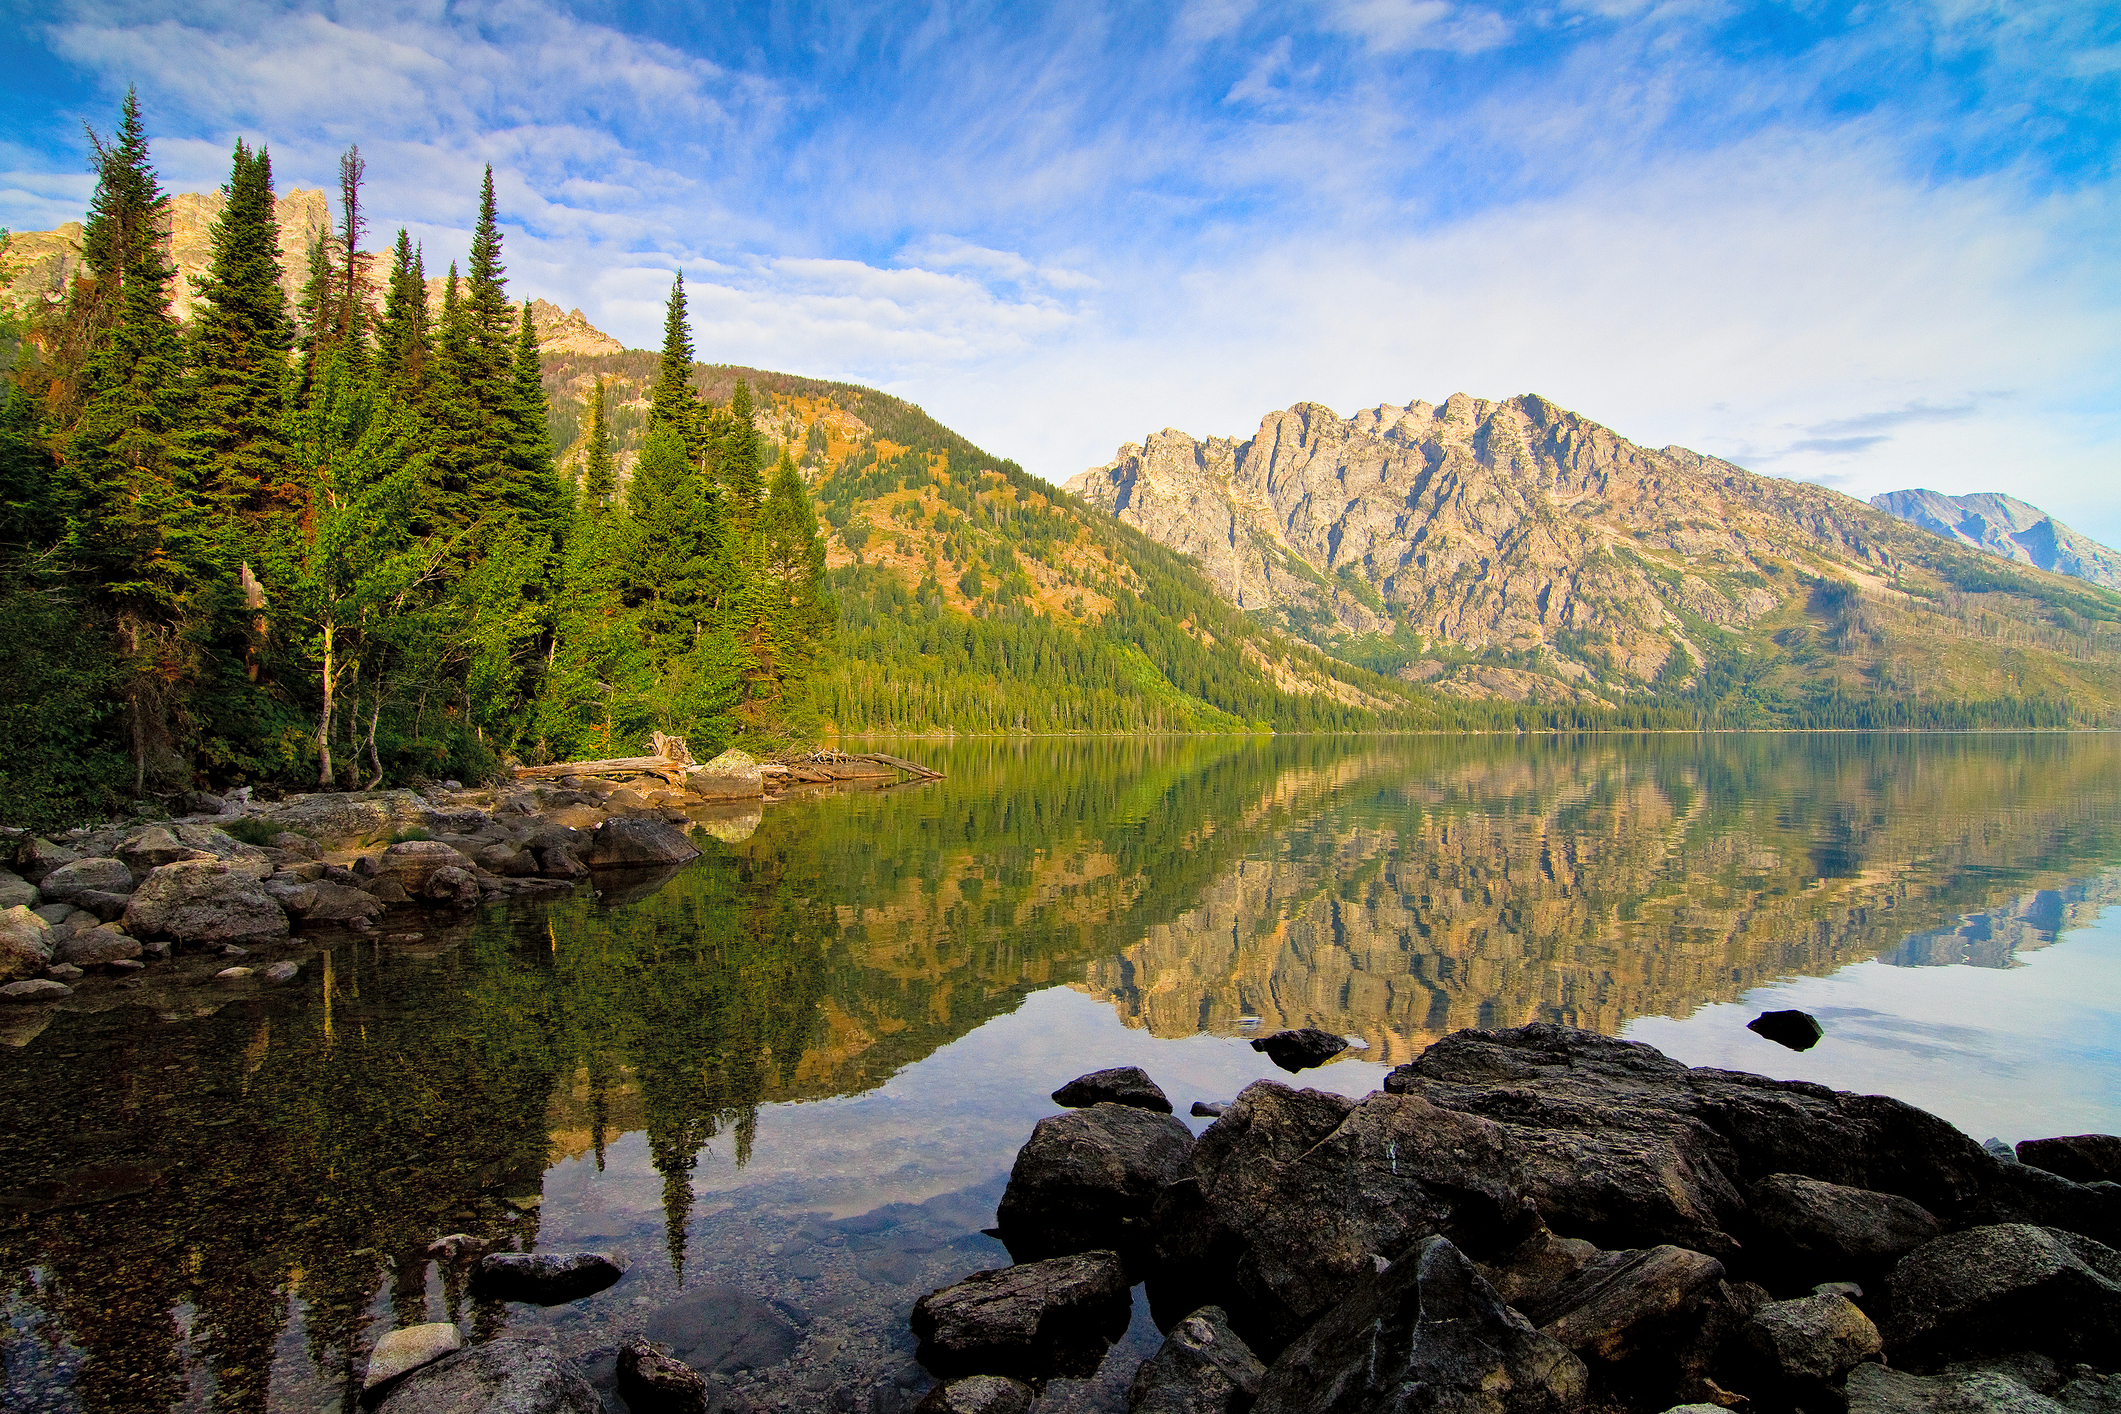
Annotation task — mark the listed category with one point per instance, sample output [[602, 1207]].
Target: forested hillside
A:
[[329, 545]]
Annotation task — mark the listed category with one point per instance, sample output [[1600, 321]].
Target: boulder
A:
[[413, 862], [1804, 1232], [294, 895], [456, 820], [2080, 1158], [406, 1349], [506, 860], [152, 848], [1302, 1049], [37, 859], [543, 1278], [978, 1394], [385, 889], [2006, 1287], [505, 1376], [1428, 1334], [1813, 1340], [627, 844], [1202, 1368], [1088, 1179], [204, 901], [721, 1330], [1617, 1303], [2003, 1152], [652, 1382], [199, 802], [1122, 1085], [97, 948], [1032, 1321], [1625, 1147], [733, 775], [17, 892], [293, 843], [25, 943], [453, 887], [281, 972], [349, 817], [1209, 1109], [1795, 1030], [1526, 1274], [1298, 1193], [69, 881], [34, 989], [2000, 1388], [558, 862], [336, 903], [105, 907]]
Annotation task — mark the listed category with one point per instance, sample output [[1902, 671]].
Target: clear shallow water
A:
[[786, 1083]]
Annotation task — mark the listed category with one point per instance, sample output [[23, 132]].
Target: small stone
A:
[[1301, 1049], [35, 989], [544, 1278], [282, 972], [1210, 1109], [1122, 1085], [652, 1382], [64, 972], [1839, 1288], [407, 1349], [232, 950], [232, 974], [2003, 1152], [1797, 1030], [125, 964]]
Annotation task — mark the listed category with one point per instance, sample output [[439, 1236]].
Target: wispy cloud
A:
[[1397, 26], [1893, 417]]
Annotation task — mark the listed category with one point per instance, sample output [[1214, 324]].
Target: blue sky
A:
[[1867, 244]]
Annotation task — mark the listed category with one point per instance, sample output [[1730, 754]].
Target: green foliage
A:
[[252, 831]]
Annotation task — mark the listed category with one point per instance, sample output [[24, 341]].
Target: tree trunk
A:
[[324, 718], [373, 717]]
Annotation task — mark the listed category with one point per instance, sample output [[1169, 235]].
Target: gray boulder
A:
[[721, 1330], [1121, 1085], [34, 989], [98, 948], [199, 802], [454, 887], [69, 881], [104, 907], [336, 903], [505, 1376], [1804, 1232], [1202, 1368], [407, 1348], [2080, 1158], [25, 943], [413, 862], [204, 901], [2007, 1287], [1616, 1303], [37, 859], [637, 843], [1031, 1321], [2004, 1387], [349, 817], [1301, 1049], [1526, 1274], [152, 848], [978, 1394], [652, 1382], [543, 1278], [1089, 1179], [1813, 1340], [1427, 1334], [733, 775], [17, 892]]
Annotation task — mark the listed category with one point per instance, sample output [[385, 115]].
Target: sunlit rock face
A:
[[1473, 525], [2006, 526]]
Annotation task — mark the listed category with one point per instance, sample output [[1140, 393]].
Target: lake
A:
[[786, 1083]]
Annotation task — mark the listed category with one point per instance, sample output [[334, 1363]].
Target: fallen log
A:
[[623, 767], [897, 763]]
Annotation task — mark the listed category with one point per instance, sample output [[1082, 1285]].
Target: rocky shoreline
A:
[[1544, 1220], [238, 881]]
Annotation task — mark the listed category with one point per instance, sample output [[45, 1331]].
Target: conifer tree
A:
[[240, 340], [672, 402], [454, 414], [791, 607], [598, 480], [737, 458], [402, 338], [536, 490], [675, 577], [316, 320], [352, 297], [485, 292]]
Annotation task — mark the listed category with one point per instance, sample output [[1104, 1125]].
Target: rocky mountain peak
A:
[[2004, 525]]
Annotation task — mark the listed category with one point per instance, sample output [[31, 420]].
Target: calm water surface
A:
[[786, 1082]]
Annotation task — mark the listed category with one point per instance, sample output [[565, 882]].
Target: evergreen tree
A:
[[672, 402], [352, 297], [537, 493], [458, 473], [485, 293], [402, 338], [737, 458], [598, 480], [675, 577], [316, 318], [240, 340]]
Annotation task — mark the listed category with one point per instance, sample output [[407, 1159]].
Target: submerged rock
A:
[[1121, 1085], [505, 1376], [721, 1330], [653, 1382], [1089, 1179], [1797, 1030], [1302, 1049], [544, 1278], [1201, 1368], [1031, 1321], [978, 1394], [97, 948], [34, 989], [1429, 1333]]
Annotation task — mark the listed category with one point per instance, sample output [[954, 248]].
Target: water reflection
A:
[[217, 1199]]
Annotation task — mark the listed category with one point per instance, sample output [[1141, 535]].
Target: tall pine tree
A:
[[240, 340], [402, 338], [599, 483], [672, 401]]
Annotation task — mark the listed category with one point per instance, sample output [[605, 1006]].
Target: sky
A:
[[1871, 245]]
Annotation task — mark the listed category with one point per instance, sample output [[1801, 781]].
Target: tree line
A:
[[328, 544]]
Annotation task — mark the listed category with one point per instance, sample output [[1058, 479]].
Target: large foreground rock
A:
[[1121, 1085], [1804, 1232], [1032, 1321], [2007, 1287], [351, 817], [25, 943], [70, 881], [506, 1376], [2081, 1158], [1296, 1194], [654, 1382], [1089, 1179], [1623, 1146], [1428, 1334], [204, 901], [544, 1278], [633, 844], [1202, 1368]]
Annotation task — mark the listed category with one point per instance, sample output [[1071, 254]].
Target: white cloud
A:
[[1398, 26]]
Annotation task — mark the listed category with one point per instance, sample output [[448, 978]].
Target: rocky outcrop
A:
[[204, 901], [2004, 525], [1088, 1179]]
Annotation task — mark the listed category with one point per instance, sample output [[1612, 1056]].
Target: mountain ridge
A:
[[2006, 526]]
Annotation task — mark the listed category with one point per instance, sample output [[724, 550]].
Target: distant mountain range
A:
[[2004, 525]]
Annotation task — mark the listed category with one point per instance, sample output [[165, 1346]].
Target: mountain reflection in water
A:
[[217, 1199]]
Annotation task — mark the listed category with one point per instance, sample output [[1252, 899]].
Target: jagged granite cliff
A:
[[2004, 525], [1518, 549]]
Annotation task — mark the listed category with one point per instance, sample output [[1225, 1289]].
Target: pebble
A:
[[232, 974]]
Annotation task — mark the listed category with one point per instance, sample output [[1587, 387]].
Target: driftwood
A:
[[673, 763], [818, 767], [623, 767]]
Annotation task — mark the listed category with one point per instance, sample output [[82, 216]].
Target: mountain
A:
[[2004, 525], [1516, 549]]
